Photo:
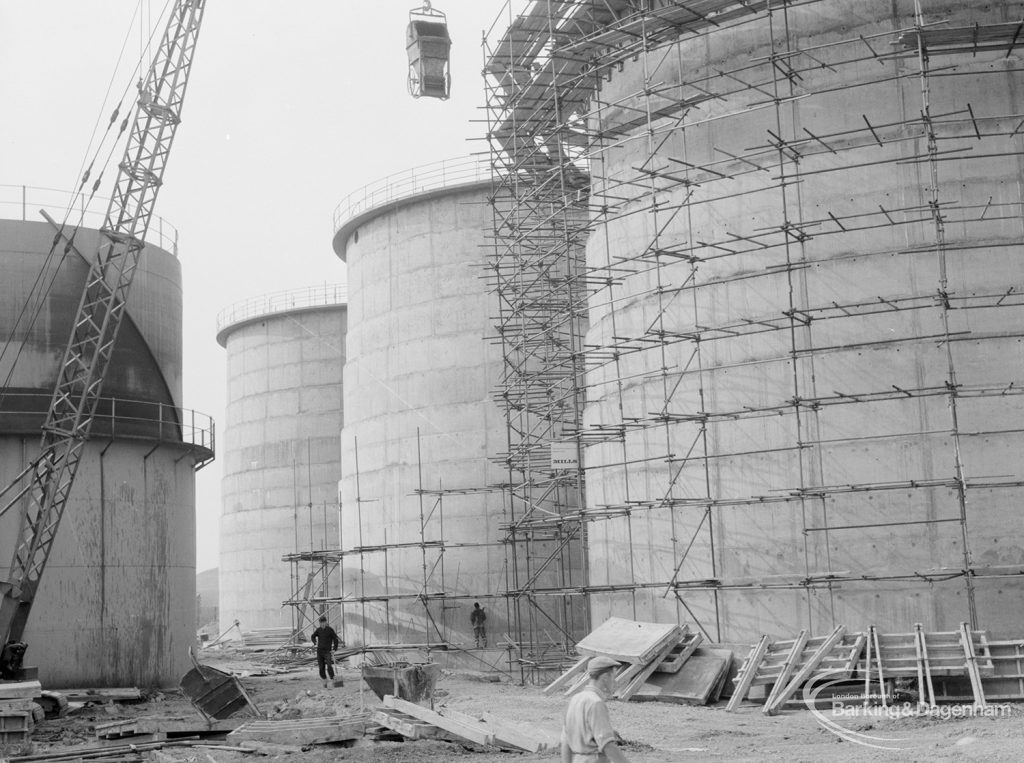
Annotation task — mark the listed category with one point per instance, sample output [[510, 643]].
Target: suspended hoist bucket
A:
[[428, 46]]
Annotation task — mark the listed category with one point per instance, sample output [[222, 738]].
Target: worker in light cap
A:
[[587, 733]]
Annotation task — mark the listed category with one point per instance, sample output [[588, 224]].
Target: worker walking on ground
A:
[[587, 733], [326, 641], [477, 618]]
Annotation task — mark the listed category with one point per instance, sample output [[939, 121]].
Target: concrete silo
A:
[[420, 526], [116, 604], [808, 348], [285, 354]]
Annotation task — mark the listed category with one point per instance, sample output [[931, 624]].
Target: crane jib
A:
[[42, 489]]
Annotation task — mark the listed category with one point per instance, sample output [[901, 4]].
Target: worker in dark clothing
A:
[[326, 641], [477, 618]]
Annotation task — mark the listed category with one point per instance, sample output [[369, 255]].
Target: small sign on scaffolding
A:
[[564, 456]]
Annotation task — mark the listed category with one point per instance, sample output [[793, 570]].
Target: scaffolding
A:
[[657, 228], [354, 582], [706, 215]]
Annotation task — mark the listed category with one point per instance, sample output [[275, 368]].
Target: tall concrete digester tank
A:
[[813, 216], [116, 603], [420, 423], [279, 492]]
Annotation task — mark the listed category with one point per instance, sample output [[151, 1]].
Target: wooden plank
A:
[[680, 654], [867, 668], [623, 675], [126, 694], [570, 675], [881, 676], [924, 681], [463, 730], [694, 684], [505, 734], [20, 689], [407, 726], [547, 740], [630, 689], [578, 684], [793, 658], [745, 677], [967, 640], [304, 731], [626, 640], [842, 661], [806, 671], [117, 729], [17, 706]]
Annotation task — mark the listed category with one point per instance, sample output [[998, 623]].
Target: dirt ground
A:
[[653, 732]]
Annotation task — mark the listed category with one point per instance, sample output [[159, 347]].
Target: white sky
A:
[[290, 106]]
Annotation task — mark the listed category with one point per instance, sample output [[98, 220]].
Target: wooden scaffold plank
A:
[[788, 667], [745, 677]]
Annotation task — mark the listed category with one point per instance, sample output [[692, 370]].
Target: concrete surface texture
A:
[[280, 448], [419, 417], [116, 603], [853, 219]]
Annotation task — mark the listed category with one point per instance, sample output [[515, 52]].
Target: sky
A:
[[290, 106]]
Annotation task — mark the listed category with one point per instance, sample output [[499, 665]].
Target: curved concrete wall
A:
[[419, 414], [280, 447], [116, 605], [746, 466]]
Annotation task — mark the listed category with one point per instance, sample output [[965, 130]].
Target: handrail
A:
[[117, 417], [18, 202], [428, 177], [282, 302]]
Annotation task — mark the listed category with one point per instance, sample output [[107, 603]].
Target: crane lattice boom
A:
[[43, 488]]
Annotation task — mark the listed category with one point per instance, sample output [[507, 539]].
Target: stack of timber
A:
[[18, 713], [934, 660], [264, 639], [661, 662], [303, 732]]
